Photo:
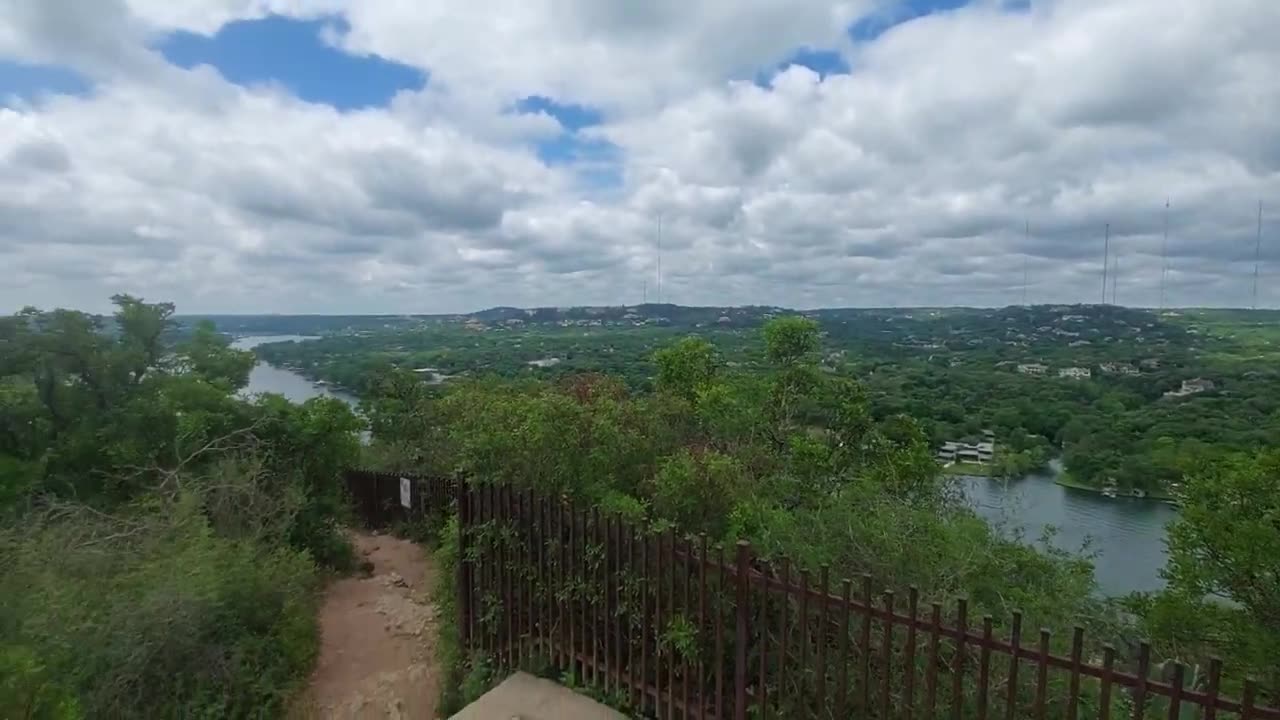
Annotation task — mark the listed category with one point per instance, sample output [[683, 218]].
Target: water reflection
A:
[[1126, 534], [266, 378]]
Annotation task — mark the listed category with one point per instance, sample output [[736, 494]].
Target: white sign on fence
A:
[[406, 493]]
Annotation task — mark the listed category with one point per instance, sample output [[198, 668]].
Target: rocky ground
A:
[[378, 639]]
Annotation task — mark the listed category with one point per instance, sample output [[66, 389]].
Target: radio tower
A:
[[1106, 261], [1164, 256]]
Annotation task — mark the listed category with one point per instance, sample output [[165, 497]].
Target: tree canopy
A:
[[159, 534]]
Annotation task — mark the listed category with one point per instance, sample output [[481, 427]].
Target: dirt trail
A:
[[378, 639]]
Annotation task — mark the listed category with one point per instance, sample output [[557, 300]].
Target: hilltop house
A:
[[1191, 387], [1075, 373], [1118, 368], [1033, 369], [978, 453]]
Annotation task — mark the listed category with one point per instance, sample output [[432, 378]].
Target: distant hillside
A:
[[866, 323]]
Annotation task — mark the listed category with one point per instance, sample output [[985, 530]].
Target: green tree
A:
[[686, 368], [791, 340], [210, 356], [141, 326], [791, 345], [1223, 595], [160, 536], [696, 491]]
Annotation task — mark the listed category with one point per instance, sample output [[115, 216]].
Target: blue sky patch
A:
[[572, 149], [823, 62], [596, 160], [294, 55], [572, 117], [875, 25], [31, 81], [600, 180], [830, 62]]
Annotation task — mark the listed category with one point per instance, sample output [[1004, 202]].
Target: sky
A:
[[383, 156]]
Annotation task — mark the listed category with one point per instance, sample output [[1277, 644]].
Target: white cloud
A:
[[618, 55], [904, 182], [206, 16], [96, 38]]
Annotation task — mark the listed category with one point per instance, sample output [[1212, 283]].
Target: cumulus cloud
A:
[[907, 180], [617, 55]]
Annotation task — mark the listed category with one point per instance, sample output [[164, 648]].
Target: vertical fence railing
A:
[[651, 620], [678, 627], [378, 501]]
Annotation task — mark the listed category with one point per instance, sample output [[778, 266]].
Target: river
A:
[[267, 378], [1126, 535]]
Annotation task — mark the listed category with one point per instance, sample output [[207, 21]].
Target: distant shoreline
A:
[[960, 469], [1065, 479]]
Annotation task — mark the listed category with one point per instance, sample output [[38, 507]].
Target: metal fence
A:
[[675, 627], [381, 499]]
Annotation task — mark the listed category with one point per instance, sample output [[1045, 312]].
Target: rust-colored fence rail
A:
[[676, 627]]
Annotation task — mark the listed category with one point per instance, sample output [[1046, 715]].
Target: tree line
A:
[[954, 371]]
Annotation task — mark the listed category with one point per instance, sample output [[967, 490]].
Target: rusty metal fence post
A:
[[743, 580], [464, 567]]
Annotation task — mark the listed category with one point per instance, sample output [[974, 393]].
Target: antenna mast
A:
[[1106, 261], [1164, 256]]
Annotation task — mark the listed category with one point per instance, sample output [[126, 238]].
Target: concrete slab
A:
[[525, 697]]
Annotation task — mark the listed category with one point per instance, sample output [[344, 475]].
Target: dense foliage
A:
[[786, 455], [1224, 567], [160, 536], [806, 462], [953, 370]]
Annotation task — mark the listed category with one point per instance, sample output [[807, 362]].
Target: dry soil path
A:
[[378, 639]]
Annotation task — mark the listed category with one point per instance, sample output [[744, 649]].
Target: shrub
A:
[[149, 613]]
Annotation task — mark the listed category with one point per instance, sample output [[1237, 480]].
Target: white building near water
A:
[[978, 453]]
